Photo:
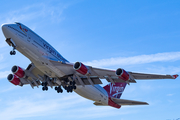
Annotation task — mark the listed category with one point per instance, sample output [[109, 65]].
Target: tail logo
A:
[[23, 29], [116, 91]]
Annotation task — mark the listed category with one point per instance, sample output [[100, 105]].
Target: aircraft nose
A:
[[4, 27]]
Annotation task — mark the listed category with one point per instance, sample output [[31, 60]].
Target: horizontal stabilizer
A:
[[128, 102], [99, 104]]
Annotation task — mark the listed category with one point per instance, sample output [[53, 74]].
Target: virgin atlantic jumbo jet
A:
[[50, 69]]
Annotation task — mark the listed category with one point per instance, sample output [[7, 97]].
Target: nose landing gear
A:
[[11, 43], [13, 52]]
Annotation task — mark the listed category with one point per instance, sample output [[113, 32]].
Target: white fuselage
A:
[[40, 52]]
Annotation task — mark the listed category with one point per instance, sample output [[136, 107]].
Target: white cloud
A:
[[4, 74], [68, 107], [170, 95], [163, 70], [28, 107], [98, 112], [38, 11], [141, 59]]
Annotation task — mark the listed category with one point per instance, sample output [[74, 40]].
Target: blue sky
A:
[[140, 36]]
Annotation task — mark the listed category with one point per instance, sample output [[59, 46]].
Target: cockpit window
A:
[[17, 23]]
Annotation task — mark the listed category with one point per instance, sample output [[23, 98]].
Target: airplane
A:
[[48, 68]]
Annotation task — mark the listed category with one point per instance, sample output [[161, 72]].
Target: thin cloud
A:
[[4, 74], [36, 11], [28, 107], [140, 59], [98, 112], [170, 95], [69, 106]]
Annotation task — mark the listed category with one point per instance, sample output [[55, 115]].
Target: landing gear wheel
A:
[[43, 88], [44, 84], [61, 91], [12, 52], [74, 87], [70, 90], [56, 88], [71, 83], [65, 87], [74, 83], [46, 88], [71, 87]]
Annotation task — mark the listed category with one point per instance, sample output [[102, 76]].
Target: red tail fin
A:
[[115, 90]]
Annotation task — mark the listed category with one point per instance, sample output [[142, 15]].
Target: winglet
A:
[[175, 76]]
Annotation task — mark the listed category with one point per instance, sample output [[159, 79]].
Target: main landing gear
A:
[[44, 84], [69, 88], [59, 89]]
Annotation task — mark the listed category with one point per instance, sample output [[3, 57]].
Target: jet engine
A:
[[18, 71], [122, 74], [81, 68], [14, 79]]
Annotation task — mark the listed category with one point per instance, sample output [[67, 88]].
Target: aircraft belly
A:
[[91, 93]]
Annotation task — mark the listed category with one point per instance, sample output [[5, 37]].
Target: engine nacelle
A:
[[14, 79], [18, 71], [122, 74], [81, 68]]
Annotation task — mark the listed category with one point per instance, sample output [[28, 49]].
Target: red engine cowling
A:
[[18, 71], [14, 79], [81, 68], [122, 74]]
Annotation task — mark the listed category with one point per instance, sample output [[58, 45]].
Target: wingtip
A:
[[175, 76]]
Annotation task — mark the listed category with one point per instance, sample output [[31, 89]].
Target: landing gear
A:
[[11, 43], [59, 89], [44, 84], [70, 87], [44, 88], [12, 52]]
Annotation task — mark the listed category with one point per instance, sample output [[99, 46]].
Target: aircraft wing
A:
[[97, 73], [151, 76], [34, 76]]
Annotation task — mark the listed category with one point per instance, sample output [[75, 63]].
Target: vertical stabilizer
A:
[[115, 90]]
